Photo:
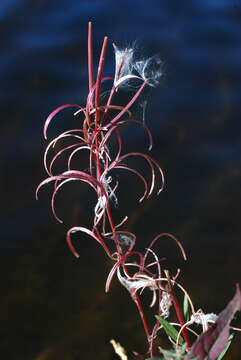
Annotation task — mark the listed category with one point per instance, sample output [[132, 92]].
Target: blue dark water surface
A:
[[194, 116]]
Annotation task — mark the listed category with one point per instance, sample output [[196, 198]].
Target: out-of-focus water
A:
[[43, 64], [194, 115]]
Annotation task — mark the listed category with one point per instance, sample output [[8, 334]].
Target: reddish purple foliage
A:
[[93, 136], [211, 343], [98, 124]]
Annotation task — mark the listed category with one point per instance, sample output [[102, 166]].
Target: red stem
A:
[[113, 229], [99, 74], [180, 319], [97, 113], [139, 306], [90, 58], [97, 159], [97, 95]]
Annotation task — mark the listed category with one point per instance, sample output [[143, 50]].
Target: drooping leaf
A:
[[139, 175], [170, 330], [212, 342], [88, 232], [53, 113]]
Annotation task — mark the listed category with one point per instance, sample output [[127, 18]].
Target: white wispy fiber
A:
[[165, 304], [203, 319], [127, 67], [199, 318], [123, 64], [101, 203]]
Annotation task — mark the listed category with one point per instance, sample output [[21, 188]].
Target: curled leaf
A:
[[56, 111]]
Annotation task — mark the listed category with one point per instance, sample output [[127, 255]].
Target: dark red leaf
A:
[[211, 343]]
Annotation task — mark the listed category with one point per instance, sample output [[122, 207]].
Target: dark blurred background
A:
[[52, 305]]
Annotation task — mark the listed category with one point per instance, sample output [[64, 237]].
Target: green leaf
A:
[[226, 347], [170, 353], [170, 330], [183, 348], [185, 308], [155, 358]]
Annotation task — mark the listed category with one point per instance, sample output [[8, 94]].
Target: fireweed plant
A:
[[136, 271]]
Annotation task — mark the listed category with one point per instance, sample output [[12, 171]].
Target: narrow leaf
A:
[[185, 308], [170, 330], [53, 113]]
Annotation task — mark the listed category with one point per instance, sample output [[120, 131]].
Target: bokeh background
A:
[[52, 305]]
